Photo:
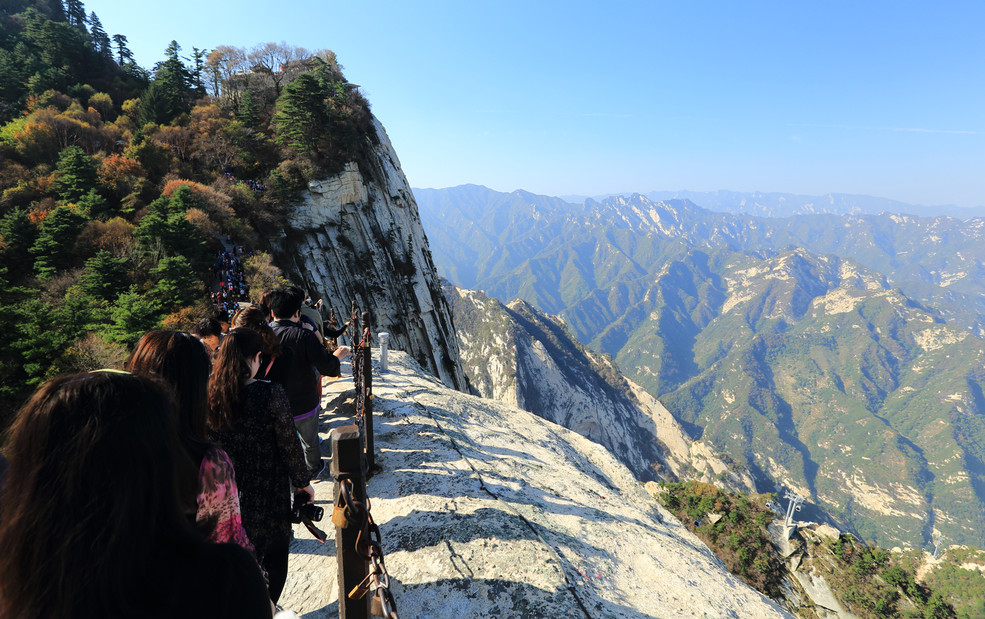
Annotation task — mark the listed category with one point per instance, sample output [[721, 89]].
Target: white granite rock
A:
[[489, 511], [357, 237]]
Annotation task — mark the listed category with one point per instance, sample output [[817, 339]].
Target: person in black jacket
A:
[[309, 362]]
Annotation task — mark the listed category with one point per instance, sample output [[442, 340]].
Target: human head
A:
[[300, 293], [183, 363], [283, 304], [92, 501], [222, 317], [232, 367], [255, 318], [209, 330]]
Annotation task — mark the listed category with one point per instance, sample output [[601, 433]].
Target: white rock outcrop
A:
[[519, 356], [488, 511], [357, 237]]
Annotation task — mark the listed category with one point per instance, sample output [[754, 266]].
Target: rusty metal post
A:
[[368, 393], [347, 463]]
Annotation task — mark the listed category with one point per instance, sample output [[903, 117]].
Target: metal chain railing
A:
[[370, 547]]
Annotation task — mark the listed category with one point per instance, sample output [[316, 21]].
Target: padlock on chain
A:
[[339, 518]]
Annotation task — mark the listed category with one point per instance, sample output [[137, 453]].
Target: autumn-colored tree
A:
[[215, 141], [178, 138], [221, 64], [119, 174], [272, 60], [261, 274], [103, 104]]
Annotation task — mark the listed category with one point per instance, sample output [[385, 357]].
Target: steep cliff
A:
[[522, 357], [357, 238]]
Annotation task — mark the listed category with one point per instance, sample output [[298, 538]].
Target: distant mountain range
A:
[[786, 204], [838, 356]]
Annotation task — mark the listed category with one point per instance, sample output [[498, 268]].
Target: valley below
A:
[[836, 356]]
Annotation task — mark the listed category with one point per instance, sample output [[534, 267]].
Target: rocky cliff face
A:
[[357, 238], [522, 357]]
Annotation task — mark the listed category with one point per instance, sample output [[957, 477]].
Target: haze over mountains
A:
[[785, 204], [836, 355]]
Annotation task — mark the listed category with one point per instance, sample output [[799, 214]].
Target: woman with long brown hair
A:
[[93, 516], [182, 361], [251, 420]]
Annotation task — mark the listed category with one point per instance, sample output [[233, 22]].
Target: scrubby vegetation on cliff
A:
[[869, 581], [116, 181]]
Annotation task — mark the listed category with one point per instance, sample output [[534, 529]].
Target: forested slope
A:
[[118, 182]]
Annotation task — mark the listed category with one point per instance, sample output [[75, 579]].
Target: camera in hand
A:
[[302, 511]]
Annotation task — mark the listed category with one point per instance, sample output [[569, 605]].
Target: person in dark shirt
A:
[[251, 420], [93, 518], [310, 360]]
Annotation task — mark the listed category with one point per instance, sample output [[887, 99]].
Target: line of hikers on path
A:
[[165, 489]]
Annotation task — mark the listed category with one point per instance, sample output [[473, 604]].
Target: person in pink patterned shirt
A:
[[182, 361]]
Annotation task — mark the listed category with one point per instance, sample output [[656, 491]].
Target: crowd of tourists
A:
[[228, 286], [165, 489], [255, 185]]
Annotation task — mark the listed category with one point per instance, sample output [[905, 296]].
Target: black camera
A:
[[302, 511]]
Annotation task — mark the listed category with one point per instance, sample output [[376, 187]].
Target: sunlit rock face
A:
[[486, 510], [357, 238], [520, 356]]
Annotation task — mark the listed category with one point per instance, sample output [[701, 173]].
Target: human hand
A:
[[310, 492], [341, 352]]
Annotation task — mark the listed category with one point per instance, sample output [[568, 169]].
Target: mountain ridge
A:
[[733, 326]]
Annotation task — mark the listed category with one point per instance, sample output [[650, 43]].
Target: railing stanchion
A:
[[368, 393], [353, 568]]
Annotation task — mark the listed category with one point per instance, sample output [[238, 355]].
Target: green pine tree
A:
[[53, 248], [302, 114], [75, 174], [105, 277]]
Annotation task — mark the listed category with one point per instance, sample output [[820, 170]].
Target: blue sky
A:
[[579, 97]]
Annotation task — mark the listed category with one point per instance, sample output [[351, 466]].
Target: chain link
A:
[[369, 545]]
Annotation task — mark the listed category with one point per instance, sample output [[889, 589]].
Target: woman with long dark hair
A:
[[275, 361], [251, 420], [92, 517], [182, 361]]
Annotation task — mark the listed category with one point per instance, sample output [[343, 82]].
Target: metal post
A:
[[384, 346], [792, 506], [347, 462], [368, 393]]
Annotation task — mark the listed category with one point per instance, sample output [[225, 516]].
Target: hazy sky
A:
[[578, 97]]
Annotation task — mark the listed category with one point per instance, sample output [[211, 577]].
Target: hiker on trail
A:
[[251, 420], [181, 361], [93, 521], [310, 358], [275, 362], [209, 332]]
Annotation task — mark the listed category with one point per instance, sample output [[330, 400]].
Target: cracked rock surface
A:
[[486, 510]]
